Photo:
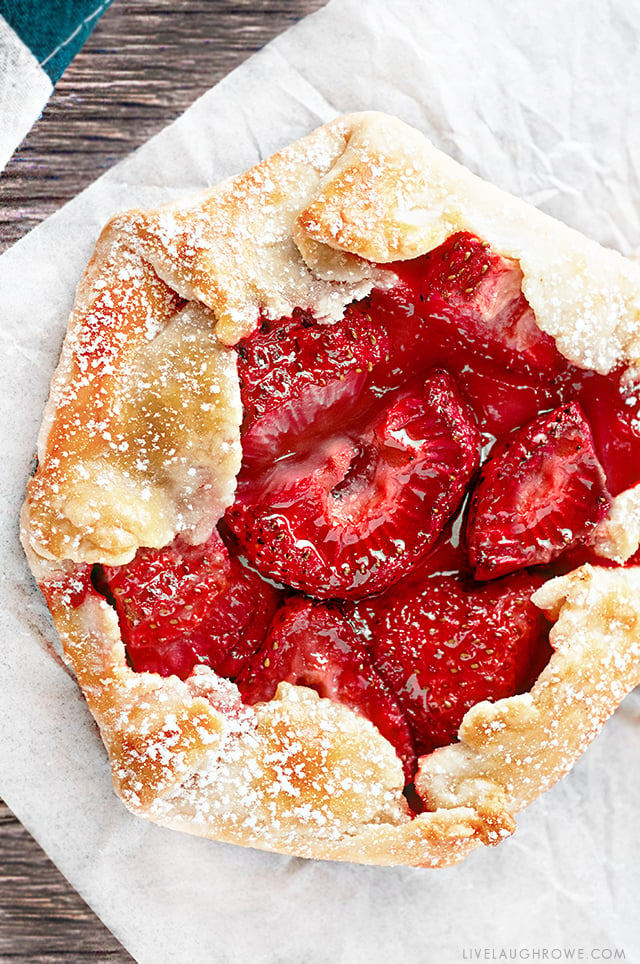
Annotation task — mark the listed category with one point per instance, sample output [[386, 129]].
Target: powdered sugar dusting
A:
[[142, 429], [618, 535], [294, 771], [238, 250]]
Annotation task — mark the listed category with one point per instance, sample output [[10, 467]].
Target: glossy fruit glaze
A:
[[350, 559]]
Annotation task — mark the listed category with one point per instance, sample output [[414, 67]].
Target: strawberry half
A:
[[442, 647], [464, 282], [311, 644], [542, 492], [187, 604], [362, 510], [298, 377]]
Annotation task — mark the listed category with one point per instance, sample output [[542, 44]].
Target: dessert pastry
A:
[[337, 506]]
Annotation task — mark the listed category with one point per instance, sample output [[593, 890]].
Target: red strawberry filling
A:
[[361, 445], [299, 377], [543, 491], [478, 292], [363, 508], [311, 644], [186, 604], [442, 645]]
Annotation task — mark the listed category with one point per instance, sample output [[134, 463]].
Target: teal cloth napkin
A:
[[38, 39]]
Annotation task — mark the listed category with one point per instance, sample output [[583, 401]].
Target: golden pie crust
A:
[[140, 441]]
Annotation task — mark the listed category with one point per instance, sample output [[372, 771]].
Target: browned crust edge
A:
[[302, 775]]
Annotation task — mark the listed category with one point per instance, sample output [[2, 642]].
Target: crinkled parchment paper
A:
[[540, 97]]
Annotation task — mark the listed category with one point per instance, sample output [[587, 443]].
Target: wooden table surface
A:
[[146, 61]]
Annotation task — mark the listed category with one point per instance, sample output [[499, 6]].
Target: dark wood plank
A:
[[41, 917], [145, 63]]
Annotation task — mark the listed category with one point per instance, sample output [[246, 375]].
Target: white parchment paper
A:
[[540, 97]]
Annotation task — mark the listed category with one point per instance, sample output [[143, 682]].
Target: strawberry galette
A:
[[337, 506]]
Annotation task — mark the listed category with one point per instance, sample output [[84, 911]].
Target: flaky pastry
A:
[[143, 441]]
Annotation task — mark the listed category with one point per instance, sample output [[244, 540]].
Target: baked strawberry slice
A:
[[442, 646], [299, 376], [311, 644], [543, 492], [237, 620], [187, 604], [464, 282], [361, 510]]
